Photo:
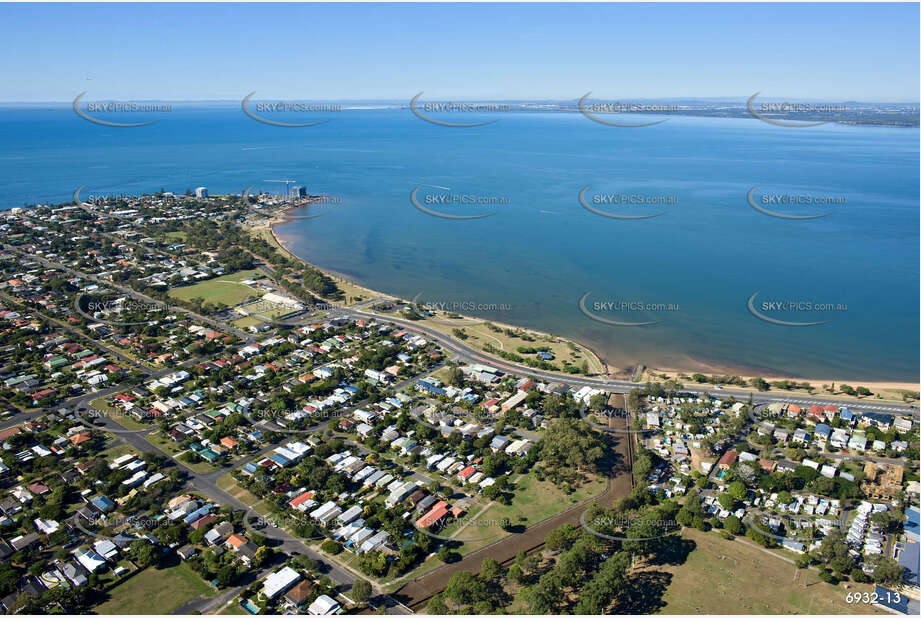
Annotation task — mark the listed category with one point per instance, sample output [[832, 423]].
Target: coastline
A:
[[340, 278], [893, 387]]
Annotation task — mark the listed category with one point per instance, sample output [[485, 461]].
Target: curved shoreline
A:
[[602, 362], [703, 368]]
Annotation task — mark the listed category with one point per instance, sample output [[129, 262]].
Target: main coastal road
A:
[[467, 354]]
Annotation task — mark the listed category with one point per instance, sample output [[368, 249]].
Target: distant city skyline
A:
[[221, 52]]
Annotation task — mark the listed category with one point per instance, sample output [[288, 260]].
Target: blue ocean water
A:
[[541, 251]]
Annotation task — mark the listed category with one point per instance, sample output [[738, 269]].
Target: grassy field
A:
[[117, 451], [226, 289], [156, 591], [228, 484], [534, 501], [729, 577]]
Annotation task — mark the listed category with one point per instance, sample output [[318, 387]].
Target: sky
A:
[[166, 51]]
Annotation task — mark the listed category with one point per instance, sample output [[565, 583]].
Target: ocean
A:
[[691, 269]]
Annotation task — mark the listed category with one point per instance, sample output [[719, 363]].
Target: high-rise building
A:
[[296, 191], [201, 192]]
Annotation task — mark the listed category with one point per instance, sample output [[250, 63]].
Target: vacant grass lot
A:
[[117, 451], [729, 577], [229, 484], [226, 289], [156, 591], [533, 502]]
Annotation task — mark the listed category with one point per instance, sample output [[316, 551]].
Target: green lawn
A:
[[229, 484], [730, 577], [156, 591], [117, 451], [534, 501], [224, 289]]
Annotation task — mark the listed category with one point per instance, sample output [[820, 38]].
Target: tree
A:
[[9, 579], [490, 570], [143, 553], [737, 490], [436, 606], [361, 591], [261, 555], [226, 575], [465, 589], [888, 572], [562, 537], [733, 525], [598, 593], [306, 562], [726, 501]]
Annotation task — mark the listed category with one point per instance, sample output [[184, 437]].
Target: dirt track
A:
[[620, 481]]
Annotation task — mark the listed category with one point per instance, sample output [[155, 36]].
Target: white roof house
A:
[[323, 606], [278, 582]]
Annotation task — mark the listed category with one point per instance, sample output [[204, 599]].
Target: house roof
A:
[[236, 540], [437, 512], [299, 593]]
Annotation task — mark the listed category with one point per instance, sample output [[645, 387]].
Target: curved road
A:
[[470, 355]]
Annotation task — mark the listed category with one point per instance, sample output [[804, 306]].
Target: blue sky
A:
[[171, 51]]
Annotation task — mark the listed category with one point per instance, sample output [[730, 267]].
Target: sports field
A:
[[227, 289], [733, 577]]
